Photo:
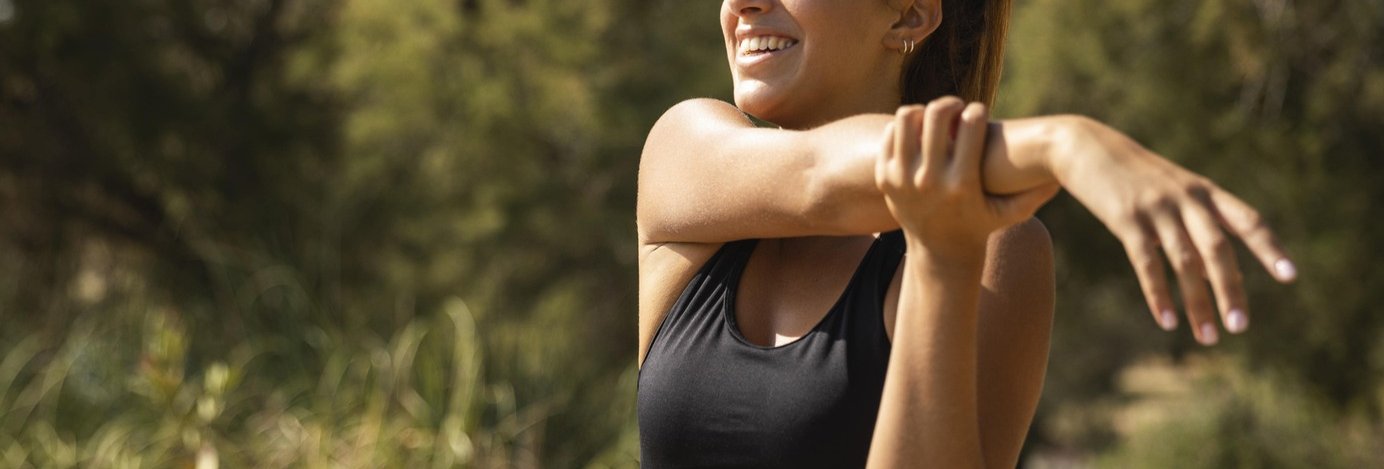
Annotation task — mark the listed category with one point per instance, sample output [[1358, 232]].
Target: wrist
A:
[[952, 260], [1064, 133]]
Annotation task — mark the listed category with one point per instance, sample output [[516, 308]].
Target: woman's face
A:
[[800, 63]]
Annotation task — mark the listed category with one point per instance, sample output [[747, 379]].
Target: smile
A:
[[765, 44]]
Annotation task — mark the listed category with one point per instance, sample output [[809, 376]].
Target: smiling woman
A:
[[864, 285], [819, 66]]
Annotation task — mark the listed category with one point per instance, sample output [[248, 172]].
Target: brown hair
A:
[[963, 57]]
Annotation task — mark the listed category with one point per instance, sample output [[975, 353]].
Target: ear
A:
[[917, 19]]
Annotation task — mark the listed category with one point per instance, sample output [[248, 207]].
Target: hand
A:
[[932, 184], [1150, 202]]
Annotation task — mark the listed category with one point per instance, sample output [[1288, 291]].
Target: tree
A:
[[1278, 101]]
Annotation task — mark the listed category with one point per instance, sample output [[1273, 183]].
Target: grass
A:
[[417, 400]]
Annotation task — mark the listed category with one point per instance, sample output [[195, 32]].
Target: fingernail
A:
[[1208, 334], [1285, 269], [1236, 321], [1167, 320]]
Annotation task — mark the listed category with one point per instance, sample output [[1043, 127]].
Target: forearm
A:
[[928, 411], [1019, 153], [1018, 157], [708, 175]]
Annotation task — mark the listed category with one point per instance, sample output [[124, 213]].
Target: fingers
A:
[[1141, 245], [885, 158], [970, 143], [1246, 223], [1221, 267], [1191, 276], [973, 124], [1189, 229], [937, 141], [907, 143]]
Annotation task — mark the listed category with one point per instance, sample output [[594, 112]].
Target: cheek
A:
[[844, 35], [728, 24], [843, 54]]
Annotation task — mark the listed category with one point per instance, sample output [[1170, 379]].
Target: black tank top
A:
[[710, 398]]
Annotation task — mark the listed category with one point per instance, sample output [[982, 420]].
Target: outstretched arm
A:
[[708, 174]]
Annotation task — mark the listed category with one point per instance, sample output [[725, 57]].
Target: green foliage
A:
[[243, 231], [419, 399], [1279, 102], [307, 183], [1224, 416]]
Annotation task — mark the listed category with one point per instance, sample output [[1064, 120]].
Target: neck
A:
[[868, 100]]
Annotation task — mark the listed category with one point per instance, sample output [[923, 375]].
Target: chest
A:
[[808, 405], [788, 286], [710, 397]]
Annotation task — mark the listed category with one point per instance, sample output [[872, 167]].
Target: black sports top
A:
[[710, 398]]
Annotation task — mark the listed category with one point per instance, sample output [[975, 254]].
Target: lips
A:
[[766, 43]]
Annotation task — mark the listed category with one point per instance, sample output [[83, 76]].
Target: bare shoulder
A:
[[686, 121], [1018, 282], [696, 109], [677, 160], [1031, 230], [688, 126], [1027, 245]]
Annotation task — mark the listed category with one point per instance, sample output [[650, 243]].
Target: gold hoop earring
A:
[[908, 46]]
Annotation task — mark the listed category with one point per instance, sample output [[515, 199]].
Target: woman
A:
[[780, 328]]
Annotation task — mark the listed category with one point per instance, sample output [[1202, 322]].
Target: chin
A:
[[762, 100]]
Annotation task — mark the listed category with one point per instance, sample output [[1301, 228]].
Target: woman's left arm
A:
[[929, 409], [930, 414]]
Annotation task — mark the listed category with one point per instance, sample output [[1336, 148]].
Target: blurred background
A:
[[381, 233]]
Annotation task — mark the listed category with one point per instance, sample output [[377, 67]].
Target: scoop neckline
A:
[[728, 308]]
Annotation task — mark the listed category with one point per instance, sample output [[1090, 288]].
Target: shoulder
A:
[[691, 120], [1024, 249], [680, 161], [1019, 269], [1027, 236], [701, 108]]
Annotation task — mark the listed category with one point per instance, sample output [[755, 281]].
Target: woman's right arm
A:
[[709, 175]]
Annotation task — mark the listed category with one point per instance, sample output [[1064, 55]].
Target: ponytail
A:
[[963, 57]]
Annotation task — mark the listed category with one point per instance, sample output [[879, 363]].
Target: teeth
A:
[[765, 43]]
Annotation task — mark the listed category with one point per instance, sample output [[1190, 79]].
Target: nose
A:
[[743, 8]]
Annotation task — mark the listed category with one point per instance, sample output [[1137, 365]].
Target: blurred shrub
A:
[[1279, 101], [234, 231], [1214, 414], [307, 183], [418, 400]]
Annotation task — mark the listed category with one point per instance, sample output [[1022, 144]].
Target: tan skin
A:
[[969, 312]]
